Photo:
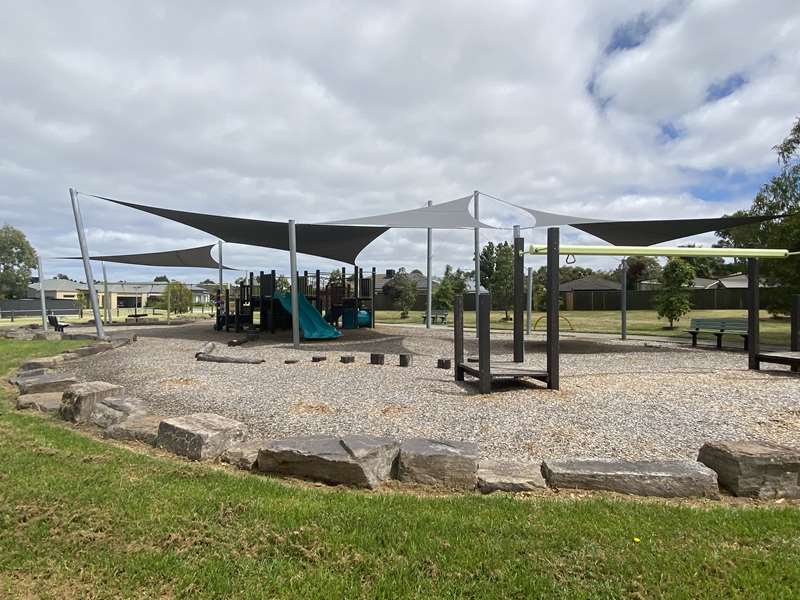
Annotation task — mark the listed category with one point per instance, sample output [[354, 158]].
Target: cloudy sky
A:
[[322, 111]]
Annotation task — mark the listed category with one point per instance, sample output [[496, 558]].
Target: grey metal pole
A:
[[475, 196], [623, 299], [169, 301], [293, 270], [41, 291], [87, 265], [529, 323], [219, 246], [429, 300], [106, 297]]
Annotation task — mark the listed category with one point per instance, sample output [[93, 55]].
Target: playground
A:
[[612, 400]]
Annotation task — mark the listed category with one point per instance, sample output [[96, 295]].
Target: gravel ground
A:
[[625, 400]]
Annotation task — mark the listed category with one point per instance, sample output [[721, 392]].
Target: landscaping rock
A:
[[68, 356], [200, 436], [18, 334], [497, 476], [49, 382], [136, 428], [357, 460], [47, 402], [755, 469], [47, 335], [79, 400], [47, 362], [111, 411], [93, 349], [665, 478], [78, 336], [431, 462], [245, 455]]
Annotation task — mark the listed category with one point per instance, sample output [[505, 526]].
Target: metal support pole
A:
[[529, 322], [753, 341], [87, 265], [106, 297], [623, 299], [169, 300], [429, 291], [293, 270], [794, 329], [219, 247], [475, 196], [40, 272], [553, 245], [519, 295], [372, 295]]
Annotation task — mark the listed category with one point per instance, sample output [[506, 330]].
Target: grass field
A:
[[80, 518], [118, 316], [640, 322]]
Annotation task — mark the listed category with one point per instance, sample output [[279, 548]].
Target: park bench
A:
[[719, 328], [439, 314], [56, 324]]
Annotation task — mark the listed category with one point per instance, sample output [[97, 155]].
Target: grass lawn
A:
[[118, 316], [640, 322], [80, 518]]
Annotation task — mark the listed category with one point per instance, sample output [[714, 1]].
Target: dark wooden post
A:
[[273, 287], [218, 325], [553, 247], [753, 330], [372, 295], [519, 296], [484, 345], [344, 282], [262, 301], [227, 309], [794, 345], [317, 298], [458, 335]]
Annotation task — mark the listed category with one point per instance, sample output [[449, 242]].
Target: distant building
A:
[[122, 295], [416, 276], [591, 283], [736, 281]]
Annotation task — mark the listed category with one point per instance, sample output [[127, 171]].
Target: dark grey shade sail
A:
[[643, 233], [199, 257], [447, 215], [337, 242]]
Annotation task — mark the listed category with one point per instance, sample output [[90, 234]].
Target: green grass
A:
[[118, 316], [15, 352], [640, 322], [80, 518]]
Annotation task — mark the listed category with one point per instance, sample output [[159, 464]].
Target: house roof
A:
[[150, 287], [592, 282]]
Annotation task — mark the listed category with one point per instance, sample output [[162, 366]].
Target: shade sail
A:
[[663, 251], [336, 242], [643, 233], [447, 215], [199, 257]]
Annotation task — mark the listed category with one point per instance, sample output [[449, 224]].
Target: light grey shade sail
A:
[[643, 233], [199, 257], [336, 242], [447, 215]]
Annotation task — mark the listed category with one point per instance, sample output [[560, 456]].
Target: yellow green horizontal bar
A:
[[662, 251]]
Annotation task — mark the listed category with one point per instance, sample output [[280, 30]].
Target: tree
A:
[[161, 279], [488, 260], [453, 283], [705, 266], [62, 276], [501, 283], [17, 258], [779, 196], [672, 301], [641, 268], [208, 282], [403, 291], [180, 298], [282, 284]]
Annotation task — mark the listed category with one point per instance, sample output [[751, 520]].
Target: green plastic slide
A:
[[311, 322]]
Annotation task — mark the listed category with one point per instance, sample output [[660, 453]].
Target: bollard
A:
[[290, 361], [348, 359], [318, 358], [376, 359], [405, 360], [443, 363]]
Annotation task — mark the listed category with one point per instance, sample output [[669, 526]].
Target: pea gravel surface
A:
[[630, 400]]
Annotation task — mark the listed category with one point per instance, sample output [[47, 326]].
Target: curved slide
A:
[[311, 322]]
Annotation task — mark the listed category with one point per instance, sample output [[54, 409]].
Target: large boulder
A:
[[500, 476], [756, 469], [244, 455], [49, 382], [431, 462], [95, 348], [136, 428], [79, 400], [48, 402], [47, 335], [200, 436], [665, 478], [110, 411], [47, 362], [357, 460]]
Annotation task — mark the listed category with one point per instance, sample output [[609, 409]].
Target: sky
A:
[[329, 110]]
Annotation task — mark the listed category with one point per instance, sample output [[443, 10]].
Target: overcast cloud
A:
[[322, 111]]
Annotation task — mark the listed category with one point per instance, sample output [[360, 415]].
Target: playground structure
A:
[[326, 302], [755, 356]]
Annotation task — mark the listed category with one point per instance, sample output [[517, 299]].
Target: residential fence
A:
[[30, 307], [714, 299]]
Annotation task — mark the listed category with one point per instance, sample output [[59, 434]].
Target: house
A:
[[122, 295], [416, 276], [591, 283]]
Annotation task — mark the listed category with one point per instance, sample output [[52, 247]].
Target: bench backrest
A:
[[439, 312], [52, 319], [719, 324]]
